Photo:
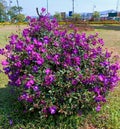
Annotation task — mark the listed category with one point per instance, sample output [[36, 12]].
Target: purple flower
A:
[[40, 61], [75, 51], [13, 39], [37, 93], [74, 82], [45, 111], [56, 58], [48, 71], [26, 32], [92, 78], [43, 10], [78, 69], [101, 77], [49, 79], [97, 90], [99, 50], [38, 43], [114, 67], [76, 60], [35, 68], [28, 40], [27, 97], [98, 108], [86, 56], [43, 50], [10, 122], [56, 44], [29, 83], [107, 54], [36, 28], [79, 113], [105, 63], [18, 64], [8, 47], [94, 43], [7, 70], [13, 58], [30, 48], [52, 110], [49, 57], [13, 77], [101, 41], [26, 62], [100, 98], [28, 17], [4, 63], [2, 51], [23, 77], [42, 102], [35, 88], [68, 60], [19, 45], [23, 96], [30, 99], [18, 82], [46, 41]]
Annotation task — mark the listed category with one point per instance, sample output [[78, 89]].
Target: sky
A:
[[80, 6]]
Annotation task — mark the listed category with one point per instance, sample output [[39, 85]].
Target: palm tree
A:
[[18, 5], [117, 5]]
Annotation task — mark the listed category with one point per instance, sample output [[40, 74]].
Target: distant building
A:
[[63, 15], [104, 15], [86, 16]]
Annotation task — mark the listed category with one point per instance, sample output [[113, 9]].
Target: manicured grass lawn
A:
[[111, 38], [11, 116]]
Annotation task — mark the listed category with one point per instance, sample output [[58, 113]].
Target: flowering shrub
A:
[[56, 72]]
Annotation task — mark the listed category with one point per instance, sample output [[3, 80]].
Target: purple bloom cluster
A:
[[60, 72]]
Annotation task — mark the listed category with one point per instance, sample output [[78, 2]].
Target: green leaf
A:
[[70, 100]]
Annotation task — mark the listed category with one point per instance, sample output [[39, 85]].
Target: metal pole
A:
[[73, 6], [94, 6], [18, 6], [47, 6]]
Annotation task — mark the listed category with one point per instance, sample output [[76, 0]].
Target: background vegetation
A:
[[11, 13]]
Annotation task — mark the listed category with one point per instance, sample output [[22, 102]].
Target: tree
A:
[[20, 18], [96, 15], [57, 15], [3, 8], [76, 16], [13, 12], [1, 11]]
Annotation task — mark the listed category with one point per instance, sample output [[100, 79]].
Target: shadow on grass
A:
[[107, 27], [5, 108], [13, 117], [10, 109]]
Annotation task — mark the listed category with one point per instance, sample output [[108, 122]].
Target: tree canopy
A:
[[2, 11], [57, 15], [12, 13], [96, 15]]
